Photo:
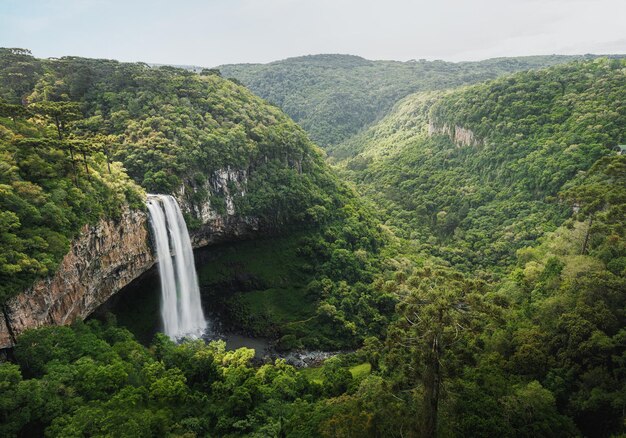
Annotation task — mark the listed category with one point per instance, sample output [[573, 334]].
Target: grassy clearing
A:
[[287, 305], [262, 284], [361, 370], [315, 374]]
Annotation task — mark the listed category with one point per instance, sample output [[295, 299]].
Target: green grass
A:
[[272, 260], [272, 263], [270, 281], [361, 370], [283, 305], [314, 374]]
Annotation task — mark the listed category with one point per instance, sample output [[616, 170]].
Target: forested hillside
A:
[[74, 128], [519, 177], [540, 354], [170, 127], [490, 302], [475, 174], [334, 96]]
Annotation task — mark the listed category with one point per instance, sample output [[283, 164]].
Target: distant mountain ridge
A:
[[335, 96]]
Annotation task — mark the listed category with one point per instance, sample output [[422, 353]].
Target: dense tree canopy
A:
[[333, 97], [65, 121], [490, 303], [475, 200], [46, 195]]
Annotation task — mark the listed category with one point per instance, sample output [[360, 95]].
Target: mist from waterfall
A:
[[181, 309]]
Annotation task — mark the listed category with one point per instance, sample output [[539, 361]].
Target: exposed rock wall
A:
[[107, 256], [103, 259], [224, 229], [218, 226], [459, 135]]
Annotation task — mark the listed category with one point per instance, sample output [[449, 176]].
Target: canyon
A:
[[107, 256]]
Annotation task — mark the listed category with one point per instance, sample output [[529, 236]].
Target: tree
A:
[[103, 143], [439, 313], [599, 189], [18, 74], [336, 377], [60, 113], [84, 147], [210, 72], [12, 111]]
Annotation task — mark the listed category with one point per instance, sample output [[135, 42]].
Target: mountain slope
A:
[[334, 96], [470, 175], [238, 166], [473, 174]]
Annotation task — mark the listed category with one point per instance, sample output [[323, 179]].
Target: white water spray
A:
[[181, 308]]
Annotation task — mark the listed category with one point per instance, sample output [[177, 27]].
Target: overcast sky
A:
[[213, 32]]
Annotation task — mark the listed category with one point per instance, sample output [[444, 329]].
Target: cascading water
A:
[[181, 308]]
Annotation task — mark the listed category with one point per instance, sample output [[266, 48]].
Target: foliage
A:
[[572, 287], [499, 312], [95, 379], [173, 131], [473, 174], [296, 289], [172, 128], [45, 198], [333, 97]]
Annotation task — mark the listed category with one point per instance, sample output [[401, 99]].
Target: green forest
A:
[[333, 97], [461, 250], [476, 204]]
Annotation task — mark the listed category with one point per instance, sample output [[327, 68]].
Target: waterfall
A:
[[181, 309]]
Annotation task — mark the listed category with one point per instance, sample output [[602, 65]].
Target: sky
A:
[[214, 32]]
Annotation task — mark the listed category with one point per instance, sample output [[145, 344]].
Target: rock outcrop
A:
[[224, 228], [107, 256], [459, 135], [215, 226], [103, 259]]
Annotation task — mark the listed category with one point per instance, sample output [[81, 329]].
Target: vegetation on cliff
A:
[[78, 121], [499, 310], [48, 191], [172, 128], [475, 174]]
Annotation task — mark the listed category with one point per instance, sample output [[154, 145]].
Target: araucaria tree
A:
[[439, 312], [60, 113]]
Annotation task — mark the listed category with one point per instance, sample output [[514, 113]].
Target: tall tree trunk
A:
[[57, 123], [85, 162], [587, 234], [73, 165], [106, 152], [432, 386]]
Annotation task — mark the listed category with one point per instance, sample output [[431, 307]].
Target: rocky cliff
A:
[[459, 135], [237, 165], [102, 259], [225, 184], [107, 256]]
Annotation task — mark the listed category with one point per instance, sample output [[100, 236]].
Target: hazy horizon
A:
[[321, 54], [216, 32]]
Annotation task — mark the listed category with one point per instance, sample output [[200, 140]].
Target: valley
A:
[[449, 261]]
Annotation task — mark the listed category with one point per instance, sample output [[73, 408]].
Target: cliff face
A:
[[102, 259], [107, 256], [459, 135], [216, 227]]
